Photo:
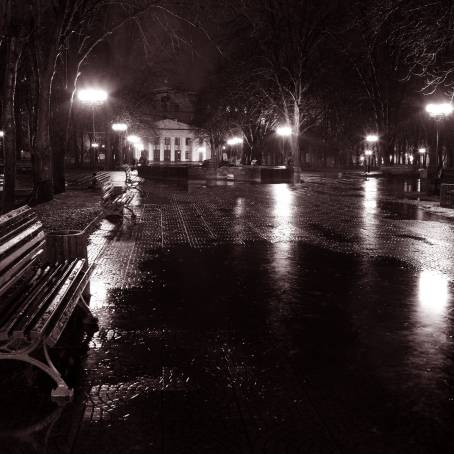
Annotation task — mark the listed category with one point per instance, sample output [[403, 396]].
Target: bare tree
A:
[[13, 22]]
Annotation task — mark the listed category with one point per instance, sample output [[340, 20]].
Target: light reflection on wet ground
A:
[[269, 318]]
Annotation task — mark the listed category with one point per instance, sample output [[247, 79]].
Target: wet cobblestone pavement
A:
[[242, 318]]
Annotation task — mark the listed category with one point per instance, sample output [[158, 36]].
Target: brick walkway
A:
[[264, 318]]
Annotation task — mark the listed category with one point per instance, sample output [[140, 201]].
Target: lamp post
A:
[[120, 129], [92, 97], [368, 153], [135, 141], [2, 135], [438, 111], [283, 132], [422, 156], [372, 140], [233, 142]]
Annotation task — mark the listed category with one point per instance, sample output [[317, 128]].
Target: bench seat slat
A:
[[40, 302], [73, 299], [44, 324], [20, 305]]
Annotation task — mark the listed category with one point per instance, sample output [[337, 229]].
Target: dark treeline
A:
[[47, 47], [331, 70]]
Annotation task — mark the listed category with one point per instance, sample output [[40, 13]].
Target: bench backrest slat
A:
[[10, 276], [16, 228], [11, 215], [21, 237], [15, 218], [18, 250], [22, 240]]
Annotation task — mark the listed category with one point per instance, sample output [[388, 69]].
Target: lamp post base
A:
[[295, 174]]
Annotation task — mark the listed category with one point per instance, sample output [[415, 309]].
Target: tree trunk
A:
[[9, 125], [58, 168], [42, 165]]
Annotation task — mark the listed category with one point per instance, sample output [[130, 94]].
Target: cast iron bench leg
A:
[[89, 318], [131, 211], [62, 393]]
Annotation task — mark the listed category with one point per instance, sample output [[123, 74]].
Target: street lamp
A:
[[233, 142], [202, 153], [438, 111], [92, 97], [372, 140], [283, 131], [133, 139], [368, 153], [2, 135], [422, 156], [120, 128]]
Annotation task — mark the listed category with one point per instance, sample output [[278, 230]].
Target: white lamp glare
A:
[[439, 110], [372, 138], [133, 139], [284, 131], [120, 127], [92, 96], [234, 141]]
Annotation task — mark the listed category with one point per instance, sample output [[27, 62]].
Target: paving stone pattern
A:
[[196, 353]]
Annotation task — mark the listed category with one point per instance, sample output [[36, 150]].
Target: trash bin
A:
[[447, 195], [64, 245]]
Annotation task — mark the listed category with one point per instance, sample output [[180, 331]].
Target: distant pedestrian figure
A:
[[438, 179]]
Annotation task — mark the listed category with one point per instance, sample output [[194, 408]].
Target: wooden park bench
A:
[[37, 298], [98, 181], [117, 205]]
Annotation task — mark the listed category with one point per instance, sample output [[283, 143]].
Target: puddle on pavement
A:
[[300, 336], [369, 337]]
